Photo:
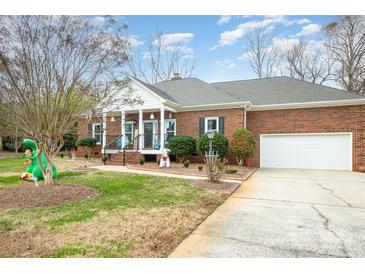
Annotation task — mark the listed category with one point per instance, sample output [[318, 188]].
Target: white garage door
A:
[[308, 151]]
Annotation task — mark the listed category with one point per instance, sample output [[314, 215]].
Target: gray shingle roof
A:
[[281, 90], [194, 92], [266, 91]]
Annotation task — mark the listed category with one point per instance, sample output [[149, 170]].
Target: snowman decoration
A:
[[165, 160]]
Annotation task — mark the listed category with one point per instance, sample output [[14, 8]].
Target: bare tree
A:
[[346, 40], [160, 60], [261, 52], [50, 67], [308, 64]]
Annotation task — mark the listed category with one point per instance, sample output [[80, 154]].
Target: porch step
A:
[[131, 157]]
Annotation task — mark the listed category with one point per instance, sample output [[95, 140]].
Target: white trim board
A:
[[351, 102]]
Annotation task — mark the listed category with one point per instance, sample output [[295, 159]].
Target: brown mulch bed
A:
[[178, 168], [31, 196]]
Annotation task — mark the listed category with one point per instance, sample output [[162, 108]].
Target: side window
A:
[[211, 124], [96, 133], [170, 128]]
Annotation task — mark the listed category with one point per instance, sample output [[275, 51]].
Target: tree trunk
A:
[[16, 140], [1, 144], [48, 177], [46, 171]]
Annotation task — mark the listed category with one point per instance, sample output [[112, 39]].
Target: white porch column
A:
[[122, 125], [140, 129], [104, 131], [162, 129]]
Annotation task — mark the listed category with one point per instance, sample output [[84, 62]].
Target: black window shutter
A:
[[201, 126], [89, 129], [221, 125], [101, 133]]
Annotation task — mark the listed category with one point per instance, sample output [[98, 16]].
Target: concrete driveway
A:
[[286, 213]]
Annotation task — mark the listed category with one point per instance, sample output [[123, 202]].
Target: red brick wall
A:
[[312, 120], [82, 132], [187, 123]]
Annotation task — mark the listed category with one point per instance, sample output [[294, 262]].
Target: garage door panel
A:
[[317, 151]]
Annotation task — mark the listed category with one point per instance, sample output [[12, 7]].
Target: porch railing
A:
[[113, 142], [149, 142]]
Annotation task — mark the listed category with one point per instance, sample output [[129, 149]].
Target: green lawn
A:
[[11, 165], [133, 216]]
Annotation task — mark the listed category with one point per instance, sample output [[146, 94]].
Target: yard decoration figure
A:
[[165, 160], [27, 152], [33, 171]]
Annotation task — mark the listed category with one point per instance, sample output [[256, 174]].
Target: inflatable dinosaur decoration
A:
[[33, 171]]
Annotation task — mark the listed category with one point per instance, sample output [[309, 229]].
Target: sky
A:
[[217, 43]]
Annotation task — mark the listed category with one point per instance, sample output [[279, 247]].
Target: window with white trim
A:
[[96, 133], [170, 128], [128, 132], [211, 124]]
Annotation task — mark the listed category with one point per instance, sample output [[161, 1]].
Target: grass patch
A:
[[70, 218], [10, 180], [133, 216], [12, 165], [68, 252], [6, 225], [112, 250], [64, 174]]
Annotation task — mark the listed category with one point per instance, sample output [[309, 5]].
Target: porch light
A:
[[210, 135], [170, 115], [112, 119], [152, 117]]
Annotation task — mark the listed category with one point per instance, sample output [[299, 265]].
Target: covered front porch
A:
[[146, 131]]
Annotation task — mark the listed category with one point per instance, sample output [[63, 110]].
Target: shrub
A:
[[200, 168], [86, 142], [86, 156], [141, 162], [9, 147], [104, 159], [89, 143], [186, 163], [61, 155], [243, 145], [182, 146], [219, 144], [231, 170]]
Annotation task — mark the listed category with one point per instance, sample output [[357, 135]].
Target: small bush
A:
[[141, 162], [243, 145], [182, 146], [62, 155], [86, 142], [86, 156], [200, 168], [186, 163], [231, 170], [219, 144], [105, 158], [9, 146]]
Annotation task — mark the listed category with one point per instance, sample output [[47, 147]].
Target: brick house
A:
[[297, 124]]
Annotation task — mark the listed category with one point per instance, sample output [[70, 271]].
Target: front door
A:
[[148, 135]]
